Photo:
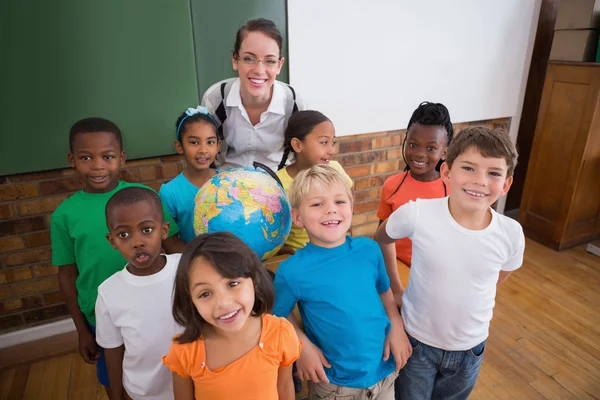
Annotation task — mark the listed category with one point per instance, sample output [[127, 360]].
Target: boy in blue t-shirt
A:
[[351, 323]]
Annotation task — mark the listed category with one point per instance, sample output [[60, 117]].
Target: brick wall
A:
[[28, 282]]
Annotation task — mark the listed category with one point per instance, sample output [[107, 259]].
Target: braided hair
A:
[[301, 123], [430, 114]]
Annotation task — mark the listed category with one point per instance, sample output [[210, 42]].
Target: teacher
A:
[[253, 108]]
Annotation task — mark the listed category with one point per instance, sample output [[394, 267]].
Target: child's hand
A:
[[88, 347], [397, 342], [398, 299], [311, 362]]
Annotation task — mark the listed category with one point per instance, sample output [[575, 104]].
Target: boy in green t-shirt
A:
[[78, 229]]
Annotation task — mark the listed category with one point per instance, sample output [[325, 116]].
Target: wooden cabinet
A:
[[561, 201]]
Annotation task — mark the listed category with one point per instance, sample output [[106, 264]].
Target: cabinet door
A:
[[568, 108]]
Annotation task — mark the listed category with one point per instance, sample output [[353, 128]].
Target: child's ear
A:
[[123, 157], [507, 184], [296, 145], [111, 241], [165, 230], [218, 146], [71, 159], [443, 157], [296, 218], [445, 173], [178, 146]]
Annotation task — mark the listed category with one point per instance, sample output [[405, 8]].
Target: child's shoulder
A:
[[172, 186], [361, 243], [509, 226], [393, 181]]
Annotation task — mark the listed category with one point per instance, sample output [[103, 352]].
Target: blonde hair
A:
[[321, 176]]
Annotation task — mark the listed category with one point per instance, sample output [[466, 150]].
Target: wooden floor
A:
[[544, 341]]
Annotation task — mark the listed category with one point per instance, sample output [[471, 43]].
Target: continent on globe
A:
[[248, 203]]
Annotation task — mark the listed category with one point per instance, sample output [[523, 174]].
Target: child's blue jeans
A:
[[433, 373], [101, 370]]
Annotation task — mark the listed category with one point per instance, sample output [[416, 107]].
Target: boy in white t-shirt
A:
[[134, 321], [462, 250]]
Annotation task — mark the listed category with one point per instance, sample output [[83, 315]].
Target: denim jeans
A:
[[433, 373]]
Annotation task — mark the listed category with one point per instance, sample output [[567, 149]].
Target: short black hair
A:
[[232, 258], [92, 125], [132, 195]]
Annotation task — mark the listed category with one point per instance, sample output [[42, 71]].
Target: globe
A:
[[248, 203]]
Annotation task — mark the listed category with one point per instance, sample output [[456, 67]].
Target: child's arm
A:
[[503, 277], [114, 365], [183, 388], [311, 362], [388, 249], [396, 341], [285, 384], [67, 275]]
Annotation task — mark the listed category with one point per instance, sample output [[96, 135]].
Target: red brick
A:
[[372, 217], [46, 313], [394, 154], [368, 182], [10, 322], [62, 185], [5, 292], [142, 162], [367, 194], [24, 225], [53, 298], [371, 157], [365, 230], [354, 146], [15, 275], [388, 141], [11, 243], [46, 269], [359, 219], [366, 206], [130, 175], [154, 185], [37, 239], [26, 257], [40, 206], [22, 304], [361, 170], [35, 286], [172, 158], [7, 211], [35, 176], [160, 172], [15, 192], [382, 168]]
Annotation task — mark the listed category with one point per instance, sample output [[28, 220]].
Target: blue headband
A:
[[193, 111]]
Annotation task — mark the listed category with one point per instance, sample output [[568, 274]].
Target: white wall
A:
[[367, 65]]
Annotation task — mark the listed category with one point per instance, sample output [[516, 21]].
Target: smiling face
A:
[[475, 181], [318, 147], [199, 145], [137, 231], [224, 303], [425, 146], [326, 214], [257, 80], [97, 157]]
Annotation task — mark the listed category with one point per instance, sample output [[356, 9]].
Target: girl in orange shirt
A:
[[427, 137], [230, 347]]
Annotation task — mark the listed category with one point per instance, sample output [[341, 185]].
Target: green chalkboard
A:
[[215, 26], [129, 61]]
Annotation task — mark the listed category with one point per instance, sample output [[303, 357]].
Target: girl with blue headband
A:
[[196, 138]]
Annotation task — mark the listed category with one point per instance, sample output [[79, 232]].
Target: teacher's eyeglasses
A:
[[268, 63]]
